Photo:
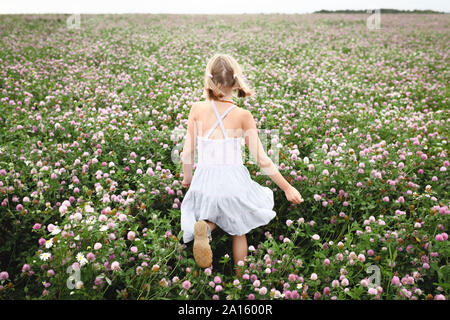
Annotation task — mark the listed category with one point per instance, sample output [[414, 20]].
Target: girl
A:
[[222, 193]]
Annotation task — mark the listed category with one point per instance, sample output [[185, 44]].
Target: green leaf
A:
[[445, 286]]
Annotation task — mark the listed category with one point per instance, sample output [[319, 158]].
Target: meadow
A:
[[92, 122]]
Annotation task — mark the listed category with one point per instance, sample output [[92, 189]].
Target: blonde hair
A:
[[222, 74]]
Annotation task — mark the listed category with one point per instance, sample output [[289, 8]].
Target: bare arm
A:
[[256, 149], [188, 154]]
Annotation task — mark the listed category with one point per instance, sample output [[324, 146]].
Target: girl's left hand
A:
[[185, 183]]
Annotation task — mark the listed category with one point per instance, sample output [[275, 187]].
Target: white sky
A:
[[209, 6]]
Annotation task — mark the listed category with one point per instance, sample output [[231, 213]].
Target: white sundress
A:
[[222, 190]]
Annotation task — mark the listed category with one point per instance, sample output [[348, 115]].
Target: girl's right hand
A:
[[293, 195]]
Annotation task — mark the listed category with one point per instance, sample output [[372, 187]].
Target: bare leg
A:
[[239, 250], [212, 226]]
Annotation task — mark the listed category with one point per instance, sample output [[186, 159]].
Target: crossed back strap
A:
[[219, 119]]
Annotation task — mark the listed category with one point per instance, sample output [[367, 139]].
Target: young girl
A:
[[222, 193]]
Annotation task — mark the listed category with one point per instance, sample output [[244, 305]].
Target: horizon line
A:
[[241, 13]]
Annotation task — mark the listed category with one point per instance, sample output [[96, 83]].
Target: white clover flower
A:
[[55, 231], [278, 295], [79, 285]]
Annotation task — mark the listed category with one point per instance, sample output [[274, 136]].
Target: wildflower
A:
[[26, 267], [277, 294], [90, 256], [79, 285], [81, 259], [56, 230], [395, 281], [115, 266], [372, 291], [314, 276], [139, 270], [186, 284], [131, 235], [155, 268], [316, 237], [163, 282], [45, 256], [49, 243]]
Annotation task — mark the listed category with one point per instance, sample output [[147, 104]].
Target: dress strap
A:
[[219, 119]]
